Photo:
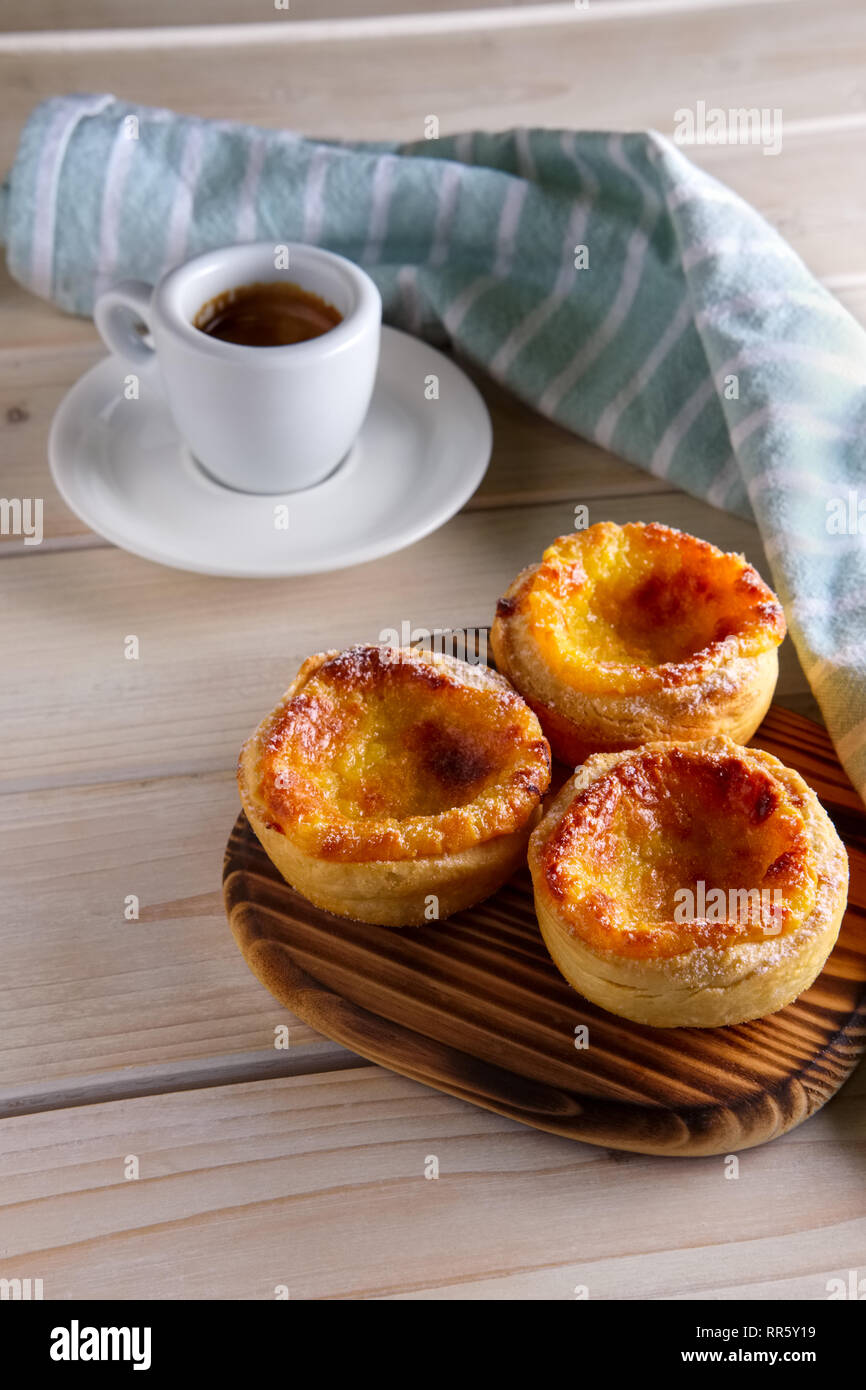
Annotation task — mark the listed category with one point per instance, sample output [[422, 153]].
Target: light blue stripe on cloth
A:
[[695, 343]]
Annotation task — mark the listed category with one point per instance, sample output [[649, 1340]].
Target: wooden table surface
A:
[[304, 1166]]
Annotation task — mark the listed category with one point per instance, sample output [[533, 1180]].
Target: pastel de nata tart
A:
[[393, 785], [688, 885], [626, 634]]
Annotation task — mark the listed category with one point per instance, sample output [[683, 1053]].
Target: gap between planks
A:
[[387, 26], [202, 1074], [56, 545]]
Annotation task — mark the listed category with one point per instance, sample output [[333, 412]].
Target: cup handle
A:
[[116, 314]]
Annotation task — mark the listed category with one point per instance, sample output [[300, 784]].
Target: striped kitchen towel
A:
[[602, 278]]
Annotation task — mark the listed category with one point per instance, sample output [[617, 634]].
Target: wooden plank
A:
[[533, 459], [64, 16], [67, 15], [546, 74], [214, 654], [317, 1184], [86, 992], [60, 18], [807, 193]]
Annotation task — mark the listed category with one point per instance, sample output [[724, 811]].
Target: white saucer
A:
[[122, 467]]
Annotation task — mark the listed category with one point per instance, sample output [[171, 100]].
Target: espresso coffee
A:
[[266, 314]]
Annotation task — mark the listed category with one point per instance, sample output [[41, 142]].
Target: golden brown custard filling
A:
[[620, 604], [389, 754], [663, 822]]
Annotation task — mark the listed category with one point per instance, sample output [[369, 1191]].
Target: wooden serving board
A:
[[475, 1007]]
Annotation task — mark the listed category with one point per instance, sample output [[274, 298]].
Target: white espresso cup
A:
[[259, 419]]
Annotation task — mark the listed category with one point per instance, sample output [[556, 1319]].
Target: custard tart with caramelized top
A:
[[688, 885], [622, 635], [395, 786]]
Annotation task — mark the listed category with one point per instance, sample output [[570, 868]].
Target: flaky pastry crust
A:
[[688, 885], [386, 778], [626, 634]]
